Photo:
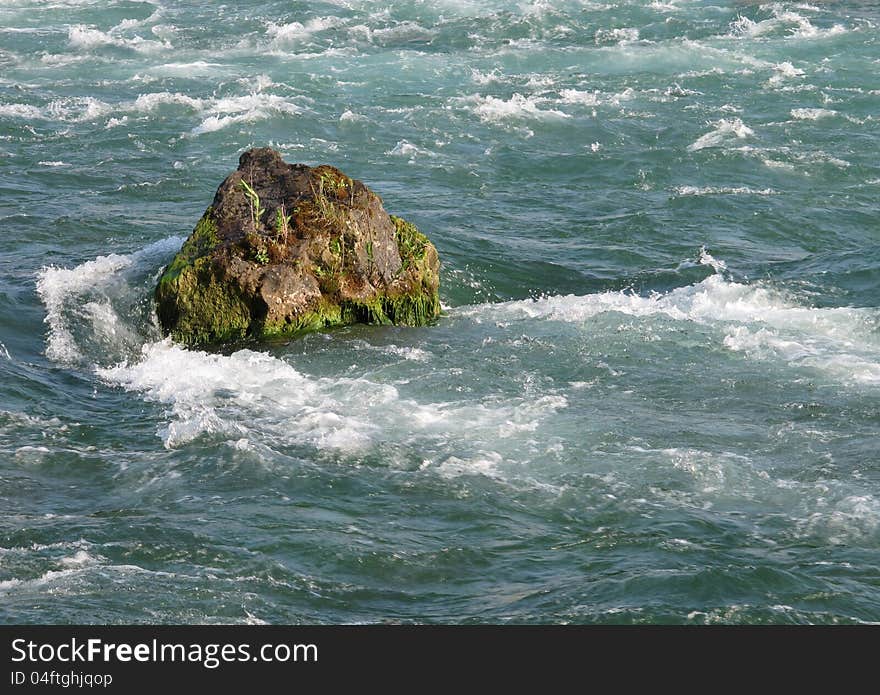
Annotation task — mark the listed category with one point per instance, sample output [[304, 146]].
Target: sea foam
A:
[[725, 131], [209, 394], [79, 303], [751, 319]]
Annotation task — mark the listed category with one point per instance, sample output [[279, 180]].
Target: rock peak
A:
[[286, 248]]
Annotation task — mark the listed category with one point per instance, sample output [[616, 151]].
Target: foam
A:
[[196, 68], [150, 102], [832, 354], [753, 320], [664, 6], [485, 78], [494, 110], [83, 295], [812, 114], [743, 26], [575, 96], [485, 464], [85, 38], [244, 109], [683, 191], [83, 567], [80, 558], [25, 111], [408, 353], [77, 109], [408, 150], [711, 471], [726, 130], [250, 395], [852, 518], [820, 157], [294, 32]]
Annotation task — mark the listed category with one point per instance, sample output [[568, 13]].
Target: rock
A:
[[286, 248]]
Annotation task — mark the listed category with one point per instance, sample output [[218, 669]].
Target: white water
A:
[[249, 394]]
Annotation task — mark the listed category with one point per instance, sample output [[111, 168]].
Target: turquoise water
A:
[[654, 395]]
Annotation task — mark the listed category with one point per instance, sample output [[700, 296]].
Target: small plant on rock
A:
[[254, 202], [282, 223]]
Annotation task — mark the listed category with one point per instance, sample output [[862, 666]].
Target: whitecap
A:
[[403, 32], [620, 36], [207, 395], [349, 116], [77, 109], [151, 101], [684, 191], [753, 320], [725, 131], [782, 72], [55, 286], [86, 38], [283, 34], [807, 114], [244, 109], [495, 110], [406, 149], [25, 111], [576, 96], [82, 296]]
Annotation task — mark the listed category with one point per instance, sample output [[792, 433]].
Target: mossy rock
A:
[[287, 248]]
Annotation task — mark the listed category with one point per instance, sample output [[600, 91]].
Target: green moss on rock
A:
[[201, 307], [202, 240], [410, 241], [325, 315]]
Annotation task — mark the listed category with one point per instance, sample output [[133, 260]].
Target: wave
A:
[[67, 110], [283, 34], [812, 114], [244, 109], [24, 111], [86, 38], [511, 113], [220, 112], [150, 102], [99, 315], [207, 394], [751, 319], [782, 22], [214, 113], [683, 191], [412, 152], [726, 130], [81, 304]]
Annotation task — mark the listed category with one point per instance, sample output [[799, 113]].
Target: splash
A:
[[751, 319], [725, 131]]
